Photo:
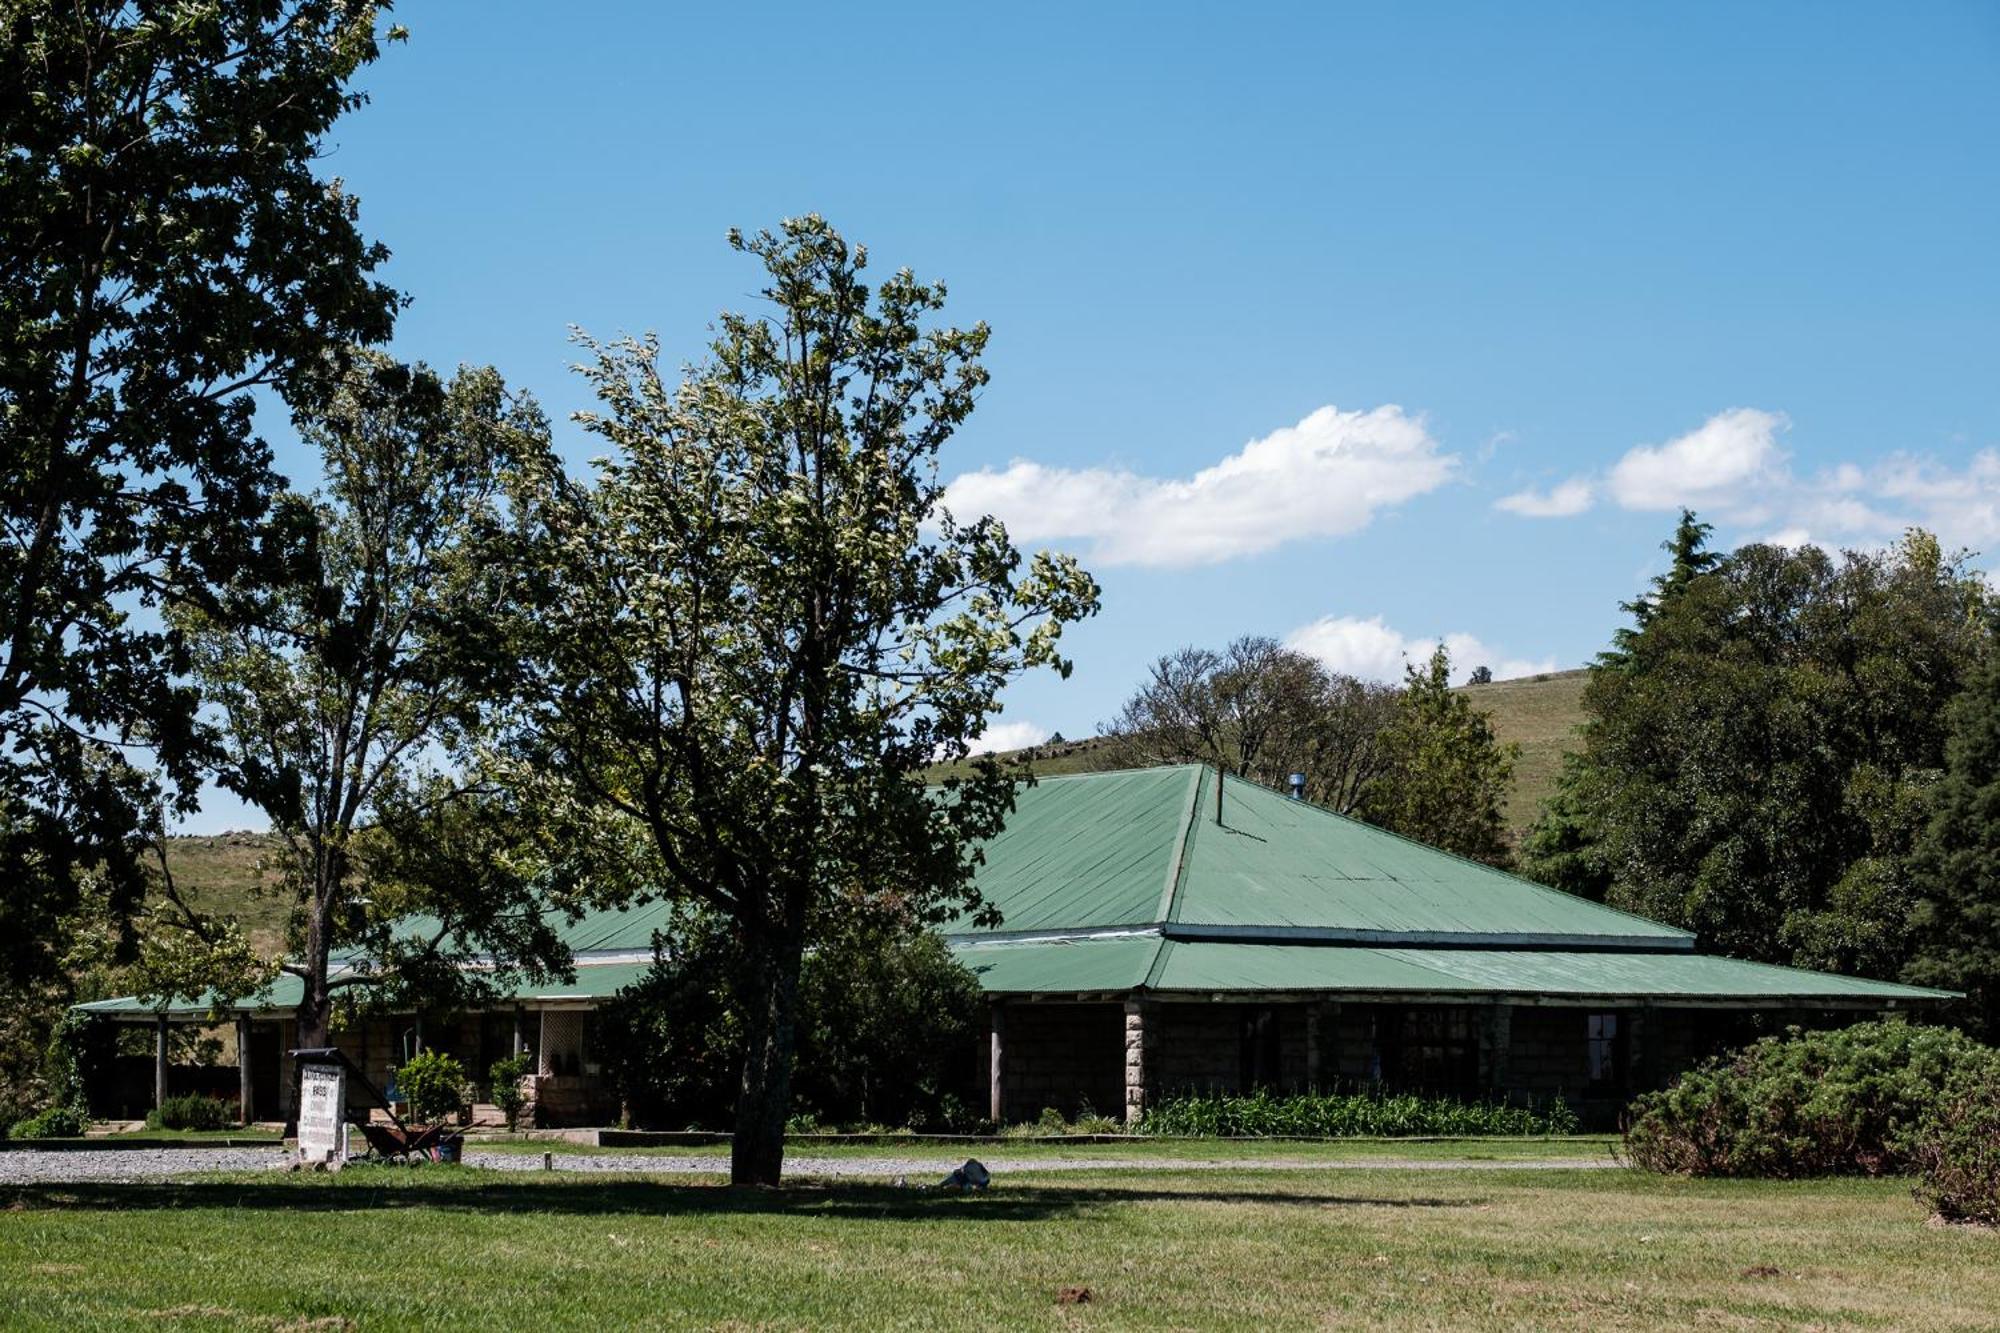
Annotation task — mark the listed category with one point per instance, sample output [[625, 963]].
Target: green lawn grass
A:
[[1582, 1146], [438, 1247]]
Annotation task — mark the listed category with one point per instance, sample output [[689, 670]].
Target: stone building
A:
[[1161, 935]]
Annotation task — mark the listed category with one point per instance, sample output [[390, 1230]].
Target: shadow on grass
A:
[[626, 1196]]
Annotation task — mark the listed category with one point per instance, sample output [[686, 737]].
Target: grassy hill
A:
[[219, 873], [1541, 714]]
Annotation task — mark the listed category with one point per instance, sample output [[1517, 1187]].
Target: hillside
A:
[[218, 873], [1541, 714]]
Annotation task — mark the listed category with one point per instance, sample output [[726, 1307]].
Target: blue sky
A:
[[1493, 289]]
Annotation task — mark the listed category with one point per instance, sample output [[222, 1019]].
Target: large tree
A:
[[1759, 745], [1259, 710], [751, 637], [1444, 775], [351, 714], [1956, 869], [167, 248]]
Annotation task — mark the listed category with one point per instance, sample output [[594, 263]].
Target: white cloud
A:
[[1000, 736], [1732, 471], [1716, 463], [1563, 501], [1327, 476], [1373, 650]]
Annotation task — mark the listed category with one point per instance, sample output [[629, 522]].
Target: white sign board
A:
[[322, 1111]]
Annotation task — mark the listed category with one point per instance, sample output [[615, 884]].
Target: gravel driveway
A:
[[31, 1166]]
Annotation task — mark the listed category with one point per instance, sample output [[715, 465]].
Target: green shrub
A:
[[435, 1085], [1841, 1102], [885, 1031], [192, 1111], [505, 1076], [1957, 1149], [55, 1122], [1370, 1114]]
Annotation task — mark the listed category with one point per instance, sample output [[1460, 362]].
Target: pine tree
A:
[[1957, 915]]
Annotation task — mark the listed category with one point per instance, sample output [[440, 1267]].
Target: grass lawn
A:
[[1582, 1146], [437, 1247]]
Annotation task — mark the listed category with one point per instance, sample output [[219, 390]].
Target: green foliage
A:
[[1259, 710], [1564, 848], [1373, 1114], [1840, 1102], [1956, 872], [1760, 747], [171, 251], [191, 1111], [886, 1017], [1957, 1150], [344, 690], [53, 1122], [736, 654], [435, 1084], [1444, 777], [505, 1080]]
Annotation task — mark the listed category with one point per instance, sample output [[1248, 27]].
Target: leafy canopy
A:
[[1956, 869], [1760, 746], [1259, 710], [1444, 775], [736, 653], [350, 712], [166, 248]]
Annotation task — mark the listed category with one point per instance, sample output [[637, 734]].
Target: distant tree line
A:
[[1419, 760]]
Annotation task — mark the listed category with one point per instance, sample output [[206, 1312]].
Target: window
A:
[[1601, 1049], [1437, 1052]]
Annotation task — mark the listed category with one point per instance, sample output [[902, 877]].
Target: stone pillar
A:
[[1496, 1039], [520, 1036], [160, 1063], [246, 1112], [996, 1064], [1137, 1074]]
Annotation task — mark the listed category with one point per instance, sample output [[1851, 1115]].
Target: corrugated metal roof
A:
[[1140, 855], [1204, 968], [1278, 863], [1097, 850], [594, 981], [1088, 850], [1066, 967]]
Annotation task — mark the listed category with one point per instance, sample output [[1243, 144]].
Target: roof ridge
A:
[[1536, 885], [1177, 868]]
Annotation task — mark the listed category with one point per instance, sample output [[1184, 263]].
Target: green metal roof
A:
[[1118, 882], [1088, 850], [1168, 967], [1143, 848], [594, 981]]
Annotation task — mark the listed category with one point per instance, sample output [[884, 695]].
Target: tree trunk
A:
[[315, 1012], [764, 1099]]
